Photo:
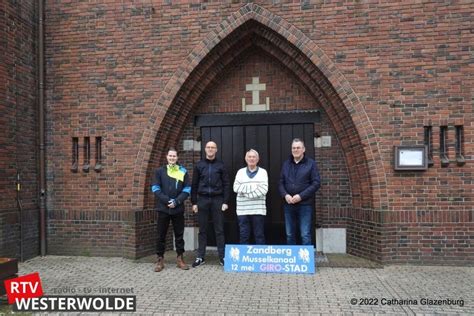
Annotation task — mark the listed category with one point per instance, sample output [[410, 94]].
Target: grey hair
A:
[[254, 151]]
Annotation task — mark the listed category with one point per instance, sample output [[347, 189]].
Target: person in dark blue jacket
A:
[[171, 188], [210, 196], [299, 181]]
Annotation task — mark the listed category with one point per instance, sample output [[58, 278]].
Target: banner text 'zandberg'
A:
[[269, 259]]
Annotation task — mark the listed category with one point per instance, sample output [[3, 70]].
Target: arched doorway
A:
[[255, 28]]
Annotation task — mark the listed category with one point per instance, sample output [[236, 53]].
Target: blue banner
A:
[[269, 259]]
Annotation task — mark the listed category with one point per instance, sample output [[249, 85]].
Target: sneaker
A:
[[198, 262], [221, 261]]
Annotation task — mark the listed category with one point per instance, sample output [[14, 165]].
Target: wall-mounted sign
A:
[[269, 259], [411, 158]]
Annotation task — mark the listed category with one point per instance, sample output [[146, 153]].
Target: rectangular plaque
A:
[[269, 259], [410, 157]]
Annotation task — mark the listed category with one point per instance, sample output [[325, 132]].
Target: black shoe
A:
[[221, 261], [198, 262]]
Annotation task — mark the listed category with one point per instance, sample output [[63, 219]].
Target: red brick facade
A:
[[18, 128], [136, 74]]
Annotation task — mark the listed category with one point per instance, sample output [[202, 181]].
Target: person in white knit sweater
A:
[[251, 186]]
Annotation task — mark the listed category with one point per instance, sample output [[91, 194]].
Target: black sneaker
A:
[[221, 261], [198, 262]]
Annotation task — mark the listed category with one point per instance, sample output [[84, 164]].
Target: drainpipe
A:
[[42, 166], [20, 208]]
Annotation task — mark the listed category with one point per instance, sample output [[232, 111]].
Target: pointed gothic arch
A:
[[253, 25]]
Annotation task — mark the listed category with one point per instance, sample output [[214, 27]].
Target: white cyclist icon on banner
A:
[[235, 254], [304, 255]]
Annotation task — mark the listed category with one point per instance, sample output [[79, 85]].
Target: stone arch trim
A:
[[308, 48]]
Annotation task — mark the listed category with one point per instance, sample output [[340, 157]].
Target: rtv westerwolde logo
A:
[[24, 287], [25, 293]]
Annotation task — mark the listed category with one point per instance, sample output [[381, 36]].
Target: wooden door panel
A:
[[274, 201], [273, 142]]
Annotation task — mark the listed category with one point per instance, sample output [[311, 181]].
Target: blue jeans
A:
[[258, 225], [294, 214]]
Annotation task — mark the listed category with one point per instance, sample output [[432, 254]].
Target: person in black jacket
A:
[[210, 196], [170, 185], [299, 181]]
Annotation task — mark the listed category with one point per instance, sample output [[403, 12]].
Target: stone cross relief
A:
[[255, 87]]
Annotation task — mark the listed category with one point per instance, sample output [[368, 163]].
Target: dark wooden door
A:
[[273, 142]]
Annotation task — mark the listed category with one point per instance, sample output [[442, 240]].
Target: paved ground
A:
[[209, 290]]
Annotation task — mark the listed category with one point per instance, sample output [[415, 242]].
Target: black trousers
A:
[[162, 225], [210, 206]]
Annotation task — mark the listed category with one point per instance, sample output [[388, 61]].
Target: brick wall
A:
[[18, 142], [134, 74]]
